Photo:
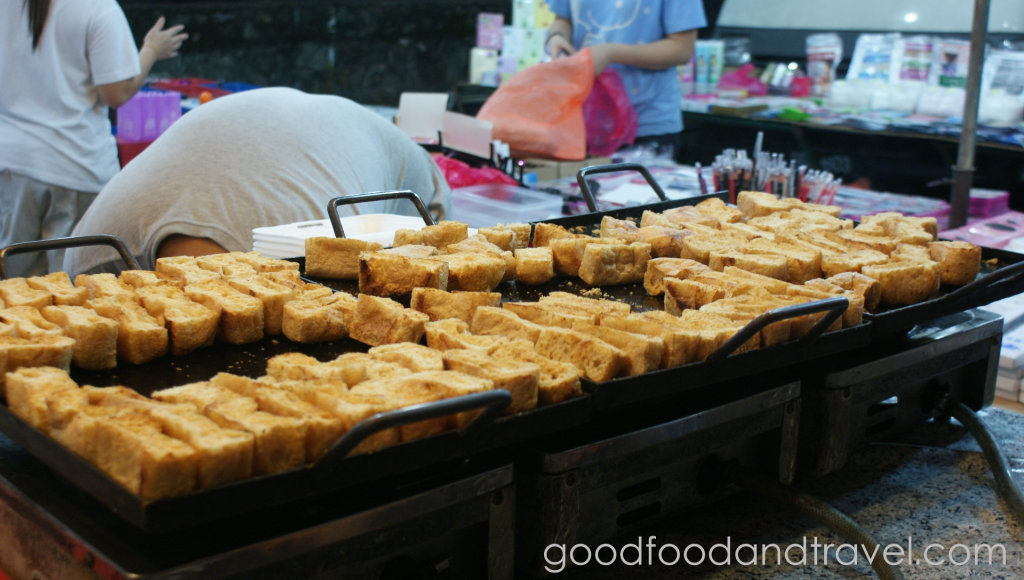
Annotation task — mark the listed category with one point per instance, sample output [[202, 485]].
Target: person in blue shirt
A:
[[644, 41]]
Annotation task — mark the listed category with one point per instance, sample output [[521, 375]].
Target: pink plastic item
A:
[[993, 232], [742, 79], [459, 174], [800, 87], [609, 116]]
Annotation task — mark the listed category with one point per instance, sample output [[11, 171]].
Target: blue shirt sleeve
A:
[[682, 15], [561, 8]]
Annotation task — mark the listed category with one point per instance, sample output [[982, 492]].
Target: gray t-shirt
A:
[[258, 158]]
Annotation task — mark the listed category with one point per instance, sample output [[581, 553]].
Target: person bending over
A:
[[253, 159], [643, 41]]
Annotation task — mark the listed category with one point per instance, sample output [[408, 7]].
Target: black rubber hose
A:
[[1006, 486], [817, 510]]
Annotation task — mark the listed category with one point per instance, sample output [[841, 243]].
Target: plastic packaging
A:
[[539, 111], [911, 59], [702, 59], [872, 57], [610, 118], [949, 63], [716, 62], [459, 174], [824, 52], [1002, 85], [742, 79], [481, 206], [941, 102], [147, 115]]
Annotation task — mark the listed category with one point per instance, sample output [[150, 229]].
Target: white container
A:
[[487, 205], [289, 240]]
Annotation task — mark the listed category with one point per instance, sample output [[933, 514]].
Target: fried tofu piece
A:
[[748, 231], [241, 315], [336, 258], [519, 378], [904, 283], [103, 286], [287, 278], [143, 278], [319, 319], [493, 321], [699, 247], [225, 264], [519, 238], [60, 288], [534, 265], [27, 388], [680, 345], [189, 325], [95, 336], [744, 311], [389, 274], [62, 406], [353, 407], [664, 242], [322, 429], [756, 204], [295, 366], [689, 295], [451, 384], [557, 381], [415, 251], [852, 316], [140, 337], [29, 322], [833, 263], [273, 295], [802, 264], [472, 272], [595, 358], [910, 253], [690, 215], [867, 287], [818, 218], [624, 230], [612, 264], [771, 285], [642, 353], [415, 357], [718, 209], [132, 449], [713, 330], [440, 236], [17, 292], [380, 321], [549, 314], [479, 244], [859, 240], [544, 233], [184, 268], [453, 334], [770, 265], [406, 392], [959, 262], [591, 305], [440, 304], [567, 253], [659, 269], [225, 455], [266, 265]]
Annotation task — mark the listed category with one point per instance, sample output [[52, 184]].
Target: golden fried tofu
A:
[[336, 258], [680, 345], [688, 214], [311, 321], [865, 286], [664, 242], [273, 295], [225, 264], [833, 263], [590, 305], [557, 381], [479, 244], [756, 204], [140, 337], [549, 314], [380, 321], [472, 272], [519, 378], [771, 285], [143, 278], [718, 209], [416, 251], [103, 286], [352, 408], [59, 286], [567, 253], [534, 265], [440, 236], [27, 388], [492, 321], [189, 325], [607, 265], [659, 269], [699, 247], [624, 230], [29, 322], [17, 292], [595, 358], [903, 283], [642, 353], [770, 265], [689, 295], [415, 357], [544, 233], [294, 366], [95, 336], [440, 304], [802, 264], [959, 262], [184, 268], [499, 236], [858, 240], [453, 334], [241, 315], [388, 274]]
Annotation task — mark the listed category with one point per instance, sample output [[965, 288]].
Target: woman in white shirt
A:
[[62, 64]]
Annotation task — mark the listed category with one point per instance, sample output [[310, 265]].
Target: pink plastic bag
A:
[[609, 116], [458, 174], [743, 79]]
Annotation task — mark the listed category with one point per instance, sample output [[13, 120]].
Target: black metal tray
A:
[[335, 470]]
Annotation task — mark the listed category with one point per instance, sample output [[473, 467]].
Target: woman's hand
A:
[[559, 46], [164, 42], [603, 55]]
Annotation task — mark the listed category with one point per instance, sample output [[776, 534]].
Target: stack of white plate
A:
[[289, 240]]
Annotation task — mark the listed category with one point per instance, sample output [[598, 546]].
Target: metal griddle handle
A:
[[493, 404], [1013, 272], [332, 206], [64, 243], [581, 179], [835, 308]]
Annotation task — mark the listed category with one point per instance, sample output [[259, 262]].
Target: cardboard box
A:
[[547, 169]]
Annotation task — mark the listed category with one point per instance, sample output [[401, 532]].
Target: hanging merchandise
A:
[[539, 111], [824, 52], [911, 59], [949, 63], [609, 116], [1002, 88], [872, 57]]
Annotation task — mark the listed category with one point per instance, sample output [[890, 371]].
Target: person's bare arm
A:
[[160, 43], [675, 49], [560, 38], [178, 245]]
